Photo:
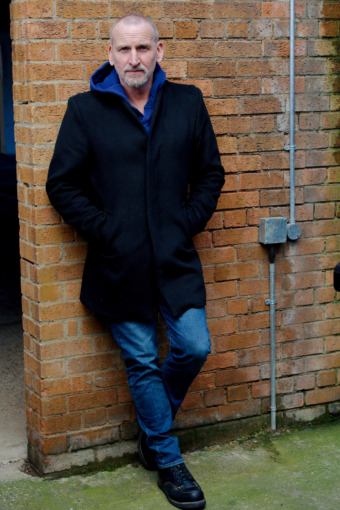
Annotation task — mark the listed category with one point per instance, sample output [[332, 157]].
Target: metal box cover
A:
[[273, 230]]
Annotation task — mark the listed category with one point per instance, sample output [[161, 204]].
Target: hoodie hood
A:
[[106, 80]]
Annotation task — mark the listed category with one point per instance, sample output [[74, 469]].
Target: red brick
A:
[[237, 306], [284, 368], [220, 361], [238, 49], [305, 382], [93, 437], [237, 341], [236, 218], [81, 50], [108, 379], [238, 393], [192, 401], [53, 445], [186, 29], [212, 69], [51, 72], [93, 399], [192, 9], [329, 28], [216, 309], [222, 326], [261, 105], [290, 401], [119, 413], [239, 410], [263, 124], [240, 125], [60, 424], [222, 106], [94, 418], [324, 295], [309, 121], [237, 29], [65, 386], [188, 49], [261, 143], [235, 87], [83, 30], [79, 9], [190, 418], [91, 363], [203, 382], [320, 329], [249, 10], [333, 344], [217, 255], [237, 376], [212, 29], [323, 362], [260, 389], [221, 290], [304, 297], [214, 397], [124, 394], [255, 356], [322, 396], [302, 348], [40, 9], [301, 315], [280, 48], [46, 29], [229, 272], [285, 385], [238, 200], [326, 378]]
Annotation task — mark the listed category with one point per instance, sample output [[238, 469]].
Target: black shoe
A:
[[180, 487], [144, 453]]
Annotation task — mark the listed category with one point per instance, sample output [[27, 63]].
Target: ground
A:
[[292, 470]]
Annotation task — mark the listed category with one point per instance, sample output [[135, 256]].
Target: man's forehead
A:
[[125, 32]]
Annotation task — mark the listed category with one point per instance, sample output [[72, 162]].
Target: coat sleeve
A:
[[207, 176], [67, 183]]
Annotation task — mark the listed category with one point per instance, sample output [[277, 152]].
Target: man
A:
[[136, 171]]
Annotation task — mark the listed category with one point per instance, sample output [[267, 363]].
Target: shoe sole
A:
[[182, 504]]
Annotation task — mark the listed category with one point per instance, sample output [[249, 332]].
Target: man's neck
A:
[[138, 97]]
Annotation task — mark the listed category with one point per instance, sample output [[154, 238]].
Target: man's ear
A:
[[160, 51], [110, 55]]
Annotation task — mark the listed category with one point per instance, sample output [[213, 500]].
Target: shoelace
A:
[[182, 474]]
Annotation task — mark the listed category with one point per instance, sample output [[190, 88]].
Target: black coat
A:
[[137, 198]]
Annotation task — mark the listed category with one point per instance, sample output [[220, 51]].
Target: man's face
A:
[[134, 54]]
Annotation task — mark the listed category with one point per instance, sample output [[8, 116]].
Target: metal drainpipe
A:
[[294, 230], [272, 302]]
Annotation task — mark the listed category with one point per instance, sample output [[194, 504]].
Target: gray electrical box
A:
[[273, 230]]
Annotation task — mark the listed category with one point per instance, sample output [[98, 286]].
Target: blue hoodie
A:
[[106, 79]]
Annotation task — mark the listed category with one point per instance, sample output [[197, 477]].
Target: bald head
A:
[[134, 19]]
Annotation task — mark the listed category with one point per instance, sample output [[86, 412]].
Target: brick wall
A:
[[237, 54]]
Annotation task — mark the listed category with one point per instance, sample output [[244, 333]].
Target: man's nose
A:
[[134, 58]]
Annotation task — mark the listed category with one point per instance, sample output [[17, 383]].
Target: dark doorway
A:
[[9, 248], [12, 404]]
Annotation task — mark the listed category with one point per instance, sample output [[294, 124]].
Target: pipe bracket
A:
[[271, 302], [289, 147]]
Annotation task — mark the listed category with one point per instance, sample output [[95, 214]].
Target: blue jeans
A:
[[158, 392]]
